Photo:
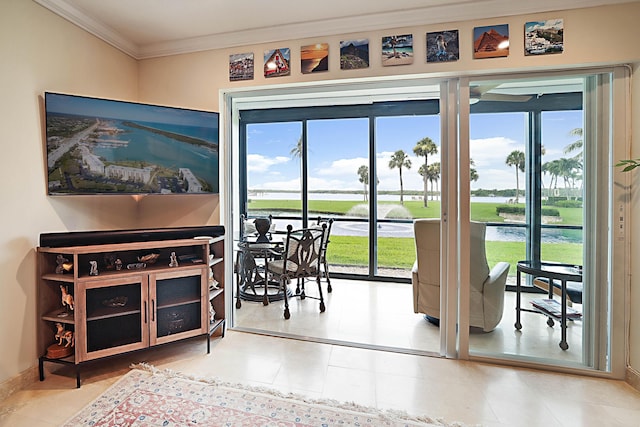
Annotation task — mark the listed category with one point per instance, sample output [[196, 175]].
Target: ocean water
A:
[[161, 150]]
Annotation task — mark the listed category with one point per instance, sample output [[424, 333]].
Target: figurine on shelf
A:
[[118, 264], [173, 260], [94, 268], [64, 335], [67, 298], [212, 313], [109, 261], [63, 265]]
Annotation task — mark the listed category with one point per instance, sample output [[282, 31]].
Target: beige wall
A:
[[194, 79], [42, 52]]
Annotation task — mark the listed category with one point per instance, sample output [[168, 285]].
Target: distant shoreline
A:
[[173, 135]]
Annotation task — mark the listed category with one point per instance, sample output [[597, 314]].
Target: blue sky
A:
[[95, 107], [339, 147]]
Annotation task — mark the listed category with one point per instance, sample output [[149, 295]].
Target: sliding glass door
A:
[[543, 190]]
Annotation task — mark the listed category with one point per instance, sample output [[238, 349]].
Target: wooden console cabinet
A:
[[128, 296]]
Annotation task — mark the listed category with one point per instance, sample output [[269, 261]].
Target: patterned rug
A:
[[147, 396]]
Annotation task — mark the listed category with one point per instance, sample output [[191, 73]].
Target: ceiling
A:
[[152, 28]]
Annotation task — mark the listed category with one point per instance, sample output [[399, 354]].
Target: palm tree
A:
[[473, 172], [363, 177], [433, 175], [400, 159], [296, 152], [425, 147], [576, 145], [516, 159]]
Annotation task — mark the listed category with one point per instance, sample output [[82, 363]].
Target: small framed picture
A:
[[354, 54], [314, 58], [277, 62], [397, 50], [241, 66], [544, 37], [443, 46], [491, 41]]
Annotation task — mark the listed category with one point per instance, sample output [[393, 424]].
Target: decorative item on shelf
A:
[[212, 313], [58, 351], [63, 265], [109, 261], [136, 266], [118, 264], [120, 301], [173, 260], [63, 335], [67, 298], [149, 258], [94, 268], [213, 283]]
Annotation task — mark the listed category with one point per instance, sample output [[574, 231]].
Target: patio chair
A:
[[301, 259], [328, 222]]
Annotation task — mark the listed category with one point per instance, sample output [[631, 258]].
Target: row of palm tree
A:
[[430, 172], [567, 168]]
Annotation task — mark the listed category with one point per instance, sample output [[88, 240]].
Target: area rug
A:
[[147, 396]]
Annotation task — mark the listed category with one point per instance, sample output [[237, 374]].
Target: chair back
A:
[[327, 223], [302, 251]]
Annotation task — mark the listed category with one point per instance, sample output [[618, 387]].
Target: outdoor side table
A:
[[554, 272]]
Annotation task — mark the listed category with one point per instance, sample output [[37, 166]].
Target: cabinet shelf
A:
[[67, 278], [109, 312], [54, 316], [178, 302]]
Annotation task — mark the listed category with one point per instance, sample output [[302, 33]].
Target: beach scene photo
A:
[[314, 58], [397, 50], [104, 146]]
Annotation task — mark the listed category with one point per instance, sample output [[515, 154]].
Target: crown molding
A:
[[454, 11], [89, 24]]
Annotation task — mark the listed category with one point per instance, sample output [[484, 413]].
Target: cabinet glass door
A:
[[115, 316], [176, 305]]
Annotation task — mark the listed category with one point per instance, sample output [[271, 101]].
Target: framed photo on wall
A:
[[491, 41], [277, 62], [314, 58], [544, 37], [354, 54], [241, 66], [443, 46], [397, 50]]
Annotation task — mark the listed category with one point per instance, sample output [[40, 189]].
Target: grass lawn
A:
[[400, 252]]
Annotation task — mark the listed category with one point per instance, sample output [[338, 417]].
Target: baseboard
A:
[[20, 381], [632, 377]]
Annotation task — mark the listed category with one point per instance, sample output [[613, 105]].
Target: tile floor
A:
[[469, 392]]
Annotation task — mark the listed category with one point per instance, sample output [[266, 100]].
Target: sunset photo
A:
[[314, 58]]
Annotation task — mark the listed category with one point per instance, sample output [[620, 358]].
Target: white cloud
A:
[[490, 151], [260, 163]]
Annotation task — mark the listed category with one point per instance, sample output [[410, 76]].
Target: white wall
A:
[[42, 52]]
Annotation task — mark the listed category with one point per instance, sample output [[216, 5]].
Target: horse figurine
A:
[[67, 298], [64, 335]]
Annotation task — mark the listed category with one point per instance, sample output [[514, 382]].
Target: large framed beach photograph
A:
[[102, 146]]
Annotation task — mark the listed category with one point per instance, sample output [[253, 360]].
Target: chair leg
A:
[[326, 276], [322, 307], [283, 286]]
